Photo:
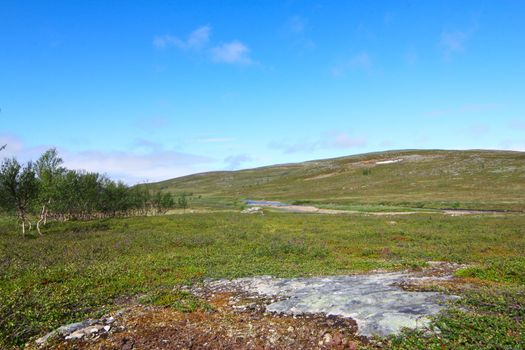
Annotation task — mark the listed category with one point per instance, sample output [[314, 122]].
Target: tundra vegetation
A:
[[84, 268]]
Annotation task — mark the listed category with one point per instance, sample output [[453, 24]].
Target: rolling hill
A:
[[473, 179]]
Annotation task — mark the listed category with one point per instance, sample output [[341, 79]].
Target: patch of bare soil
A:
[[237, 320], [229, 326]]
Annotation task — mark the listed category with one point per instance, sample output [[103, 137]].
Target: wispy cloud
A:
[[236, 161], [196, 40], [452, 42], [231, 52], [15, 147], [360, 61], [234, 52], [329, 140]]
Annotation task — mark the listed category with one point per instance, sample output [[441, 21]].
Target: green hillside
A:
[[474, 179]]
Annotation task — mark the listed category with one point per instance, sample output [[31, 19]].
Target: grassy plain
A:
[[83, 269]]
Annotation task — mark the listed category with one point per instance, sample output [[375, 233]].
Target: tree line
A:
[[45, 190]]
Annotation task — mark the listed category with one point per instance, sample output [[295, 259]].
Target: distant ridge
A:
[[477, 179]]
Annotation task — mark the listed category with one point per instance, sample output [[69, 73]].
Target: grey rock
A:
[[76, 335], [65, 330], [374, 301], [72, 327]]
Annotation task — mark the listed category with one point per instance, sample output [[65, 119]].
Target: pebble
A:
[[76, 335]]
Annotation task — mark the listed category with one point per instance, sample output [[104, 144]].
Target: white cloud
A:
[[14, 145], [196, 40], [234, 52], [360, 61], [15, 148], [146, 161], [154, 165]]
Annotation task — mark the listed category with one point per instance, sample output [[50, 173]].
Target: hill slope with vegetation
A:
[[474, 179]]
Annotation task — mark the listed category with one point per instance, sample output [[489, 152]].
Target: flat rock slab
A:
[[375, 301]]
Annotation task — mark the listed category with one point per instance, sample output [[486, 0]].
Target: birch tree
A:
[[48, 169], [18, 189]]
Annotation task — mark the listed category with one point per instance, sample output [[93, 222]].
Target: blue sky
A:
[[149, 90]]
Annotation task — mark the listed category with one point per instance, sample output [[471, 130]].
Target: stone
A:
[[375, 301], [76, 335], [94, 330], [65, 330]]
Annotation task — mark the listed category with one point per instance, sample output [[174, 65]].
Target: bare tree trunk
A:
[[45, 215], [22, 219], [42, 218]]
